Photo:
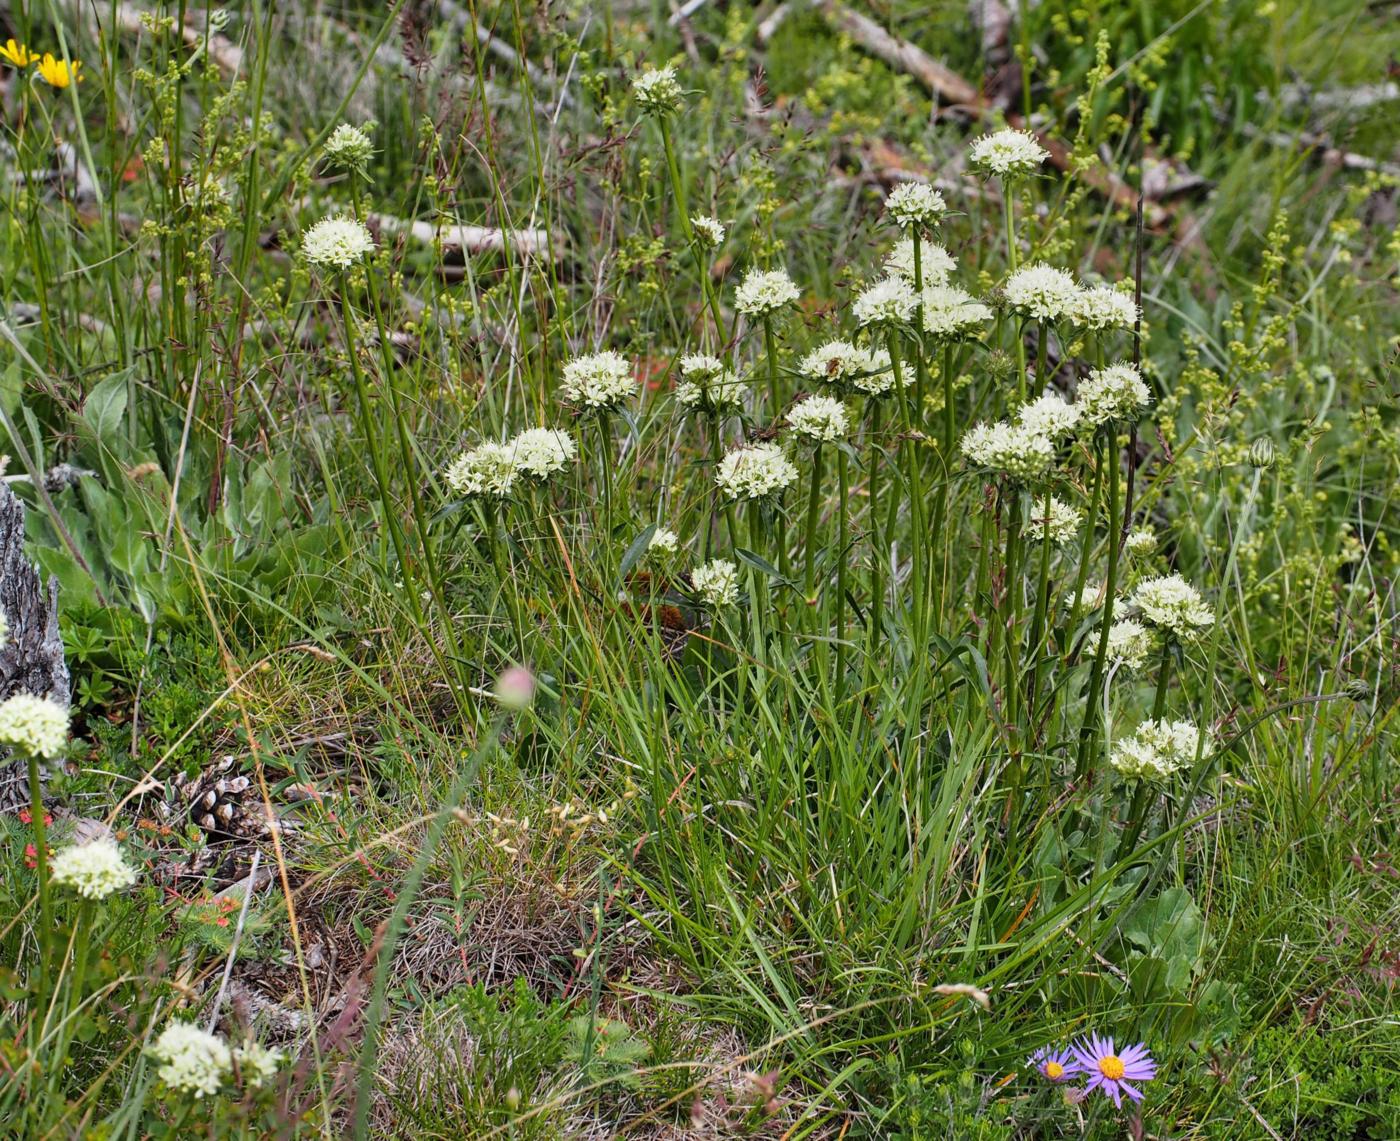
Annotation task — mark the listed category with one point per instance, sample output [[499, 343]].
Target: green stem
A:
[[1164, 676], [1093, 696], [770, 347], [809, 578], [678, 190], [1012, 615], [44, 934], [917, 538], [877, 545], [1086, 545], [1042, 603], [843, 485]]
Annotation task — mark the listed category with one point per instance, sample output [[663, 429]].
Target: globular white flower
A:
[[1008, 153], [257, 1064], [1009, 449], [94, 870], [1130, 642], [1061, 523], [1050, 415], [914, 204], [664, 543], [540, 452], [1100, 307], [709, 232], [707, 385], [1172, 604], [33, 726], [1111, 394], [336, 242], [1141, 542], [1156, 750], [348, 148], [763, 292], [598, 381], [819, 418], [486, 471], [192, 1061], [1041, 291], [843, 365], [716, 583], [935, 263], [657, 91], [953, 314], [755, 472], [891, 300]]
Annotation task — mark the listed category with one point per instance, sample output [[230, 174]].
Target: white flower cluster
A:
[[1156, 750], [952, 314], [657, 91], [540, 452], [819, 418], [1100, 307], [1049, 415], [706, 384], [348, 148], [716, 583], [94, 870], [1111, 394], [755, 472], [257, 1064], [1141, 542], [914, 204], [486, 471], [336, 242], [709, 232], [192, 1060], [763, 292], [843, 365], [1008, 153], [1010, 449], [599, 381], [33, 726], [1061, 524], [891, 300], [1172, 604], [1130, 642], [1041, 291], [664, 543], [936, 264]]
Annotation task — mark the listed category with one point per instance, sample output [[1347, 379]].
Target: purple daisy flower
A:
[[1053, 1065], [1113, 1072]]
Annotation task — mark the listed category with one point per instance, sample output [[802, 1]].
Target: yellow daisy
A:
[[57, 72], [16, 53]]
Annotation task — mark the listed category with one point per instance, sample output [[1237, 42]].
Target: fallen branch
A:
[[471, 239]]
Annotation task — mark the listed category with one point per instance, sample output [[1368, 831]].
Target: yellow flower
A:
[[16, 53], [58, 73]]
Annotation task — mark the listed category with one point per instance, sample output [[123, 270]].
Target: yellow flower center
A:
[[1111, 1067], [1054, 1071]]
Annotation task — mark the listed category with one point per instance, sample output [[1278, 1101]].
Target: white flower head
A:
[[192, 1061], [1141, 542], [891, 300], [349, 148], [755, 472], [1131, 643], [707, 385], [1041, 291], [819, 418], [1061, 523], [1112, 394], [716, 583], [1051, 415], [486, 471], [709, 232], [94, 870], [664, 543], [336, 243], [1156, 750], [1009, 449], [33, 726], [1100, 307], [599, 381], [540, 452], [763, 292], [936, 264], [953, 314], [257, 1064], [1172, 604], [657, 91], [843, 365], [914, 204], [1008, 153]]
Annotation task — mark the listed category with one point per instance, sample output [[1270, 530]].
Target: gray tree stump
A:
[[31, 660]]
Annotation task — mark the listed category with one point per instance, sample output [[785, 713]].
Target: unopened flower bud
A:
[[1261, 453], [515, 688]]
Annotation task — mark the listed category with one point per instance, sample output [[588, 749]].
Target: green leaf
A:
[[636, 550], [105, 407]]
